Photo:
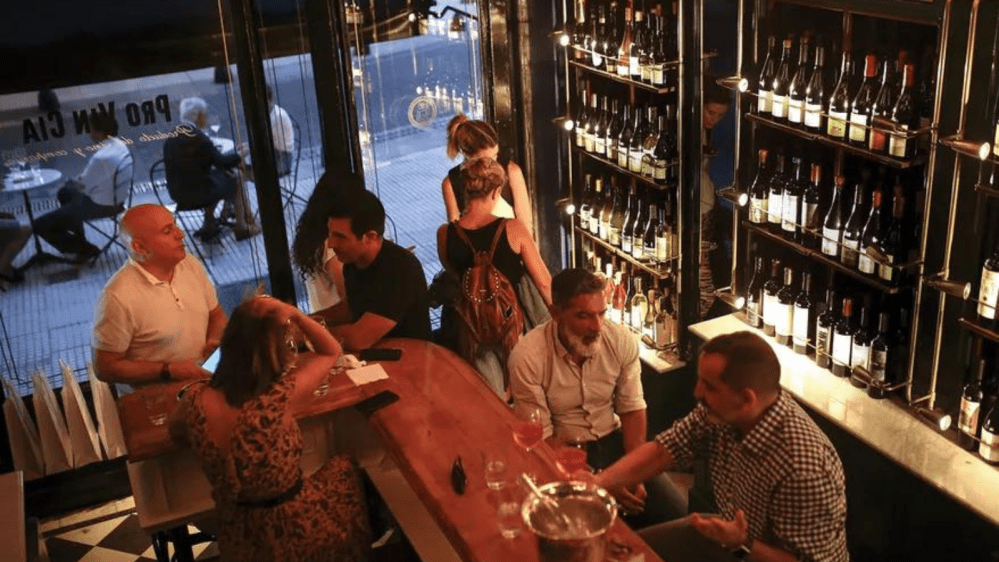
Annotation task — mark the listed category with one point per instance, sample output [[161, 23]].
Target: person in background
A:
[[717, 101], [199, 176], [159, 316], [483, 180], [13, 237], [583, 374], [282, 133], [99, 191], [240, 425], [478, 139], [386, 290], [776, 479]]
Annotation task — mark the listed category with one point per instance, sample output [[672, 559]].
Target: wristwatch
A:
[[165, 372], [741, 552]]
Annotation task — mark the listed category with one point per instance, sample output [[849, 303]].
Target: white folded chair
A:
[[22, 434], [56, 446], [82, 434], [108, 423]]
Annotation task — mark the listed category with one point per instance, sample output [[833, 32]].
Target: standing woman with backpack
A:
[[490, 254], [476, 139]]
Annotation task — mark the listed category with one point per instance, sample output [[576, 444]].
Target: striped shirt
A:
[[784, 474]]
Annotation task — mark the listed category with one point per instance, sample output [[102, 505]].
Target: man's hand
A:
[[632, 498], [729, 534], [187, 371]]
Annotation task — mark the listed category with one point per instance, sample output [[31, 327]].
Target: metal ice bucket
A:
[[590, 510]]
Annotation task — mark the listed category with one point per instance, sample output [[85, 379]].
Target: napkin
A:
[[82, 434], [56, 445], [22, 434], [366, 374], [108, 424]]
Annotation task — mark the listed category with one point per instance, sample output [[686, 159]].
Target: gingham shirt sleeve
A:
[[808, 511], [680, 439]]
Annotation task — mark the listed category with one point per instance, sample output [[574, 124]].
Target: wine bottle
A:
[[810, 222], [637, 47], [624, 45], [608, 46], [754, 295], [770, 290], [860, 108], [666, 320], [782, 83], [860, 354], [839, 101], [586, 202], [579, 31], [627, 223], [791, 205], [589, 132], [598, 204], [610, 203], [764, 83], [853, 229], [600, 129], [639, 306], [775, 199], [989, 446], [815, 93], [619, 302], [803, 312], [969, 420], [650, 142], [624, 138], [832, 225], [636, 147], [904, 116], [784, 319], [893, 243], [870, 237], [988, 294], [637, 231], [882, 357], [758, 192], [825, 323], [582, 118], [660, 58], [611, 288], [599, 30], [662, 152], [664, 237], [881, 111], [649, 234], [842, 340], [613, 130], [646, 48], [796, 89], [618, 215]]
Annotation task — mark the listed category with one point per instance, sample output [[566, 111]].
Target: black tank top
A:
[[458, 183], [462, 257]]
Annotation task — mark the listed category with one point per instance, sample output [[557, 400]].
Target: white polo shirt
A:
[[577, 402], [153, 320]]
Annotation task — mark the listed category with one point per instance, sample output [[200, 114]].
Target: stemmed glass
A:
[[527, 430], [571, 457]]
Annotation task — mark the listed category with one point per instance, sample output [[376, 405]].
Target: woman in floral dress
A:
[[241, 427]]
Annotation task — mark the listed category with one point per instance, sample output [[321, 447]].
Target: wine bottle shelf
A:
[[624, 171], [658, 272], [896, 163], [640, 85], [975, 326], [834, 264], [987, 190]]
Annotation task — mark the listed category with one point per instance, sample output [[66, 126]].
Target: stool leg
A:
[[181, 539], [160, 549]]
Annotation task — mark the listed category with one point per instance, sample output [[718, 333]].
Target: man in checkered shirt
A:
[[777, 480]]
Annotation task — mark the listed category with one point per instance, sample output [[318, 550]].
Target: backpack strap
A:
[[496, 238]]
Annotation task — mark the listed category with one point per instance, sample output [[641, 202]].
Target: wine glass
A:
[[527, 430], [571, 457]]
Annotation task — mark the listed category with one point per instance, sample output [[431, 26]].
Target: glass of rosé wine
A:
[[527, 430]]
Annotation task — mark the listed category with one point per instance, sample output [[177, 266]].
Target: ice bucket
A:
[[590, 511]]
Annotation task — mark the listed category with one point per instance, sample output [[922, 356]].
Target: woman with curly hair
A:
[[241, 427]]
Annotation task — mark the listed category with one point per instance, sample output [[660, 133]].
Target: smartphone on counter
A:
[[380, 354]]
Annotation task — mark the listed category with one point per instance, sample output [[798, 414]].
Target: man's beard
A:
[[578, 347]]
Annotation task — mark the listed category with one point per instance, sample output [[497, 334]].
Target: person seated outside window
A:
[[515, 254], [241, 427], [283, 135], [13, 237], [90, 195], [386, 289], [199, 176]]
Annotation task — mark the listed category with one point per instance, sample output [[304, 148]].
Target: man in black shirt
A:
[[385, 285]]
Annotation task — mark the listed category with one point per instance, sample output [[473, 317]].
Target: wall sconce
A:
[[967, 147], [959, 289], [939, 419], [565, 122], [734, 83], [566, 206], [562, 37], [732, 193], [727, 296]]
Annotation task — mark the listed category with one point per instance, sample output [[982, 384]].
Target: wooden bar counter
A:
[[445, 410]]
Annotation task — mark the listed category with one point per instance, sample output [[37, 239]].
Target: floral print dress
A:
[[324, 521]]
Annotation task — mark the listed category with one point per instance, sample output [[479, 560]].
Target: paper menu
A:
[[367, 374]]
